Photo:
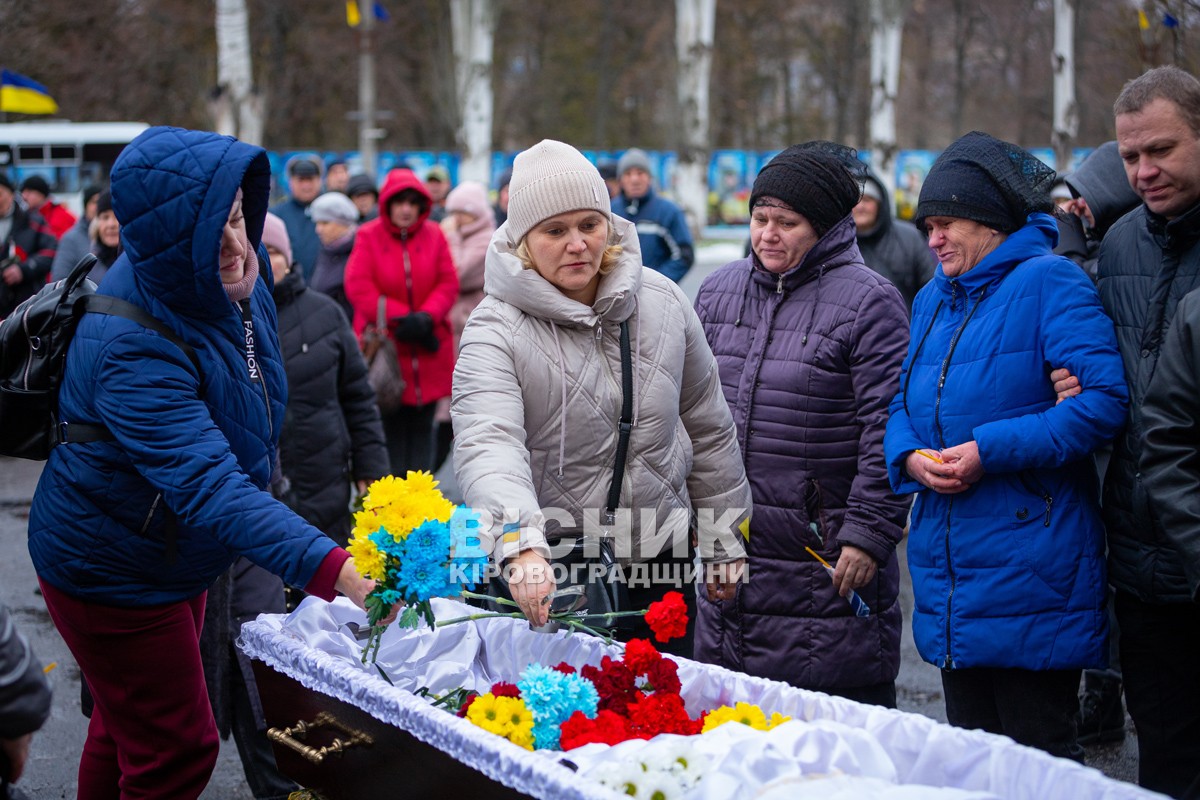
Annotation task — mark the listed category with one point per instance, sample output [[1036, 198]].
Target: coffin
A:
[[341, 729]]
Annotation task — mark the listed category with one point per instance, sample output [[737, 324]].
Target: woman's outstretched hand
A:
[[531, 583]]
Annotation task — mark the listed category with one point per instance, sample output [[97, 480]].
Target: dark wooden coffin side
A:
[[394, 763]]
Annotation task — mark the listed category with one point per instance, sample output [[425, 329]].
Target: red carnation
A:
[[668, 617], [661, 713], [663, 675], [606, 728], [462, 710], [505, 689], [640, 656], [614, 683], [564, 668]]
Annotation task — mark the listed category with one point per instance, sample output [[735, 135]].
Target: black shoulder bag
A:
[[609, 592]]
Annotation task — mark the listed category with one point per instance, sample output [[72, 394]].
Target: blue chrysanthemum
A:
[[552, 696]]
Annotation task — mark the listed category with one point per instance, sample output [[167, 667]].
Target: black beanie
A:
[[812, 182], [989, 181], [103, 202], [91, 191], [962, 189]]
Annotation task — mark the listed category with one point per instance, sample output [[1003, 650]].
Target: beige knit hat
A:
[[552, 178]]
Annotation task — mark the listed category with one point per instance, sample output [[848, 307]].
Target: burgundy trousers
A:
[[152, 733]]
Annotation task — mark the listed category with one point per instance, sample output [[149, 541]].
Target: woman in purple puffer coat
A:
[[809, 343]]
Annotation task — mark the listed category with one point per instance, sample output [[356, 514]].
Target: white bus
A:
[[69, 155]]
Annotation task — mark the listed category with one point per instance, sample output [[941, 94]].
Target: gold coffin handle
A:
[[287, 737]]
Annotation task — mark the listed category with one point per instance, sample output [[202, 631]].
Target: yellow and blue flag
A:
[[354, 16], [21, 95]]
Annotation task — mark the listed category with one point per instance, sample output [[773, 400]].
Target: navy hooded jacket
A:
[[193, 450]]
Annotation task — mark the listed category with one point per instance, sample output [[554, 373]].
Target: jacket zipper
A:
[[950, 596], [408, 286], [1034, 487], [937, 404], [150, 516], [35, 343]]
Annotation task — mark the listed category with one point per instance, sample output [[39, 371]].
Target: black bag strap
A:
[[624, 427], [82, 433], [114, 306]]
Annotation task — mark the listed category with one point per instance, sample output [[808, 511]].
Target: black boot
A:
[[1101, 714]]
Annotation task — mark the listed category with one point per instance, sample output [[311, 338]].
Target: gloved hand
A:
[[412, 327], [416, 328]]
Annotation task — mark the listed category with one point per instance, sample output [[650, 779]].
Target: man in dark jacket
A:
[[662, 229], [1101, 195], [1149, 260], [26, 250], [24, 700], [896, 250], [304, 185]]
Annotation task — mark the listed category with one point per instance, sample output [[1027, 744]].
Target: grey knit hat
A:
[[552, 178], [633, 159], [334, 207]]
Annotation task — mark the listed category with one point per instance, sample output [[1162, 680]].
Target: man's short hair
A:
[[1169, 83]]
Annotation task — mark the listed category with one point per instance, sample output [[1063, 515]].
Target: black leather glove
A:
[[412, 327]]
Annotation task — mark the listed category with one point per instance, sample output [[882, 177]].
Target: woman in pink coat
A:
[[468, 226], [403, 257]]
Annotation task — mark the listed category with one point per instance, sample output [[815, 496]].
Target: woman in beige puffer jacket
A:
[[537, 389]]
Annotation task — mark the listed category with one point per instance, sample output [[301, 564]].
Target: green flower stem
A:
[[566, 619], [504, 601], [443, 622], [612, 614]]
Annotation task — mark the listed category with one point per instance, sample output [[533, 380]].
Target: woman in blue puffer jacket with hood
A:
[[128, 532], [1006, 547]]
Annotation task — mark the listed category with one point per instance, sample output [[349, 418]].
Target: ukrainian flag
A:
[[20, 95]]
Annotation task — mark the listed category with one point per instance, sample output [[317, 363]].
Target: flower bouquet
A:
[[416, 545]]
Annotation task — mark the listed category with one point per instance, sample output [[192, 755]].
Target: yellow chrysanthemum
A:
[[368, 560], [518, 715], [401, 504], [522, 737], [745, 713], [776, 720], [485, 711]]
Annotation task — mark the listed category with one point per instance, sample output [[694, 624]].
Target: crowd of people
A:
[[1011, 382]]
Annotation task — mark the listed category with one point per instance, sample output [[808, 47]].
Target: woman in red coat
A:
[[404, 258]]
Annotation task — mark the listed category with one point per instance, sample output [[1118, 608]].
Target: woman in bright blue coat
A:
[[1006, 546], [127, 534]]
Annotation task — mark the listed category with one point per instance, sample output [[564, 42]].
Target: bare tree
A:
[[1066, 114], [694, 22], [473, 23], [237, 108], [887, 29]]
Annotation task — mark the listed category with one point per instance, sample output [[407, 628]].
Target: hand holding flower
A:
[[531, 585], [353, 585]]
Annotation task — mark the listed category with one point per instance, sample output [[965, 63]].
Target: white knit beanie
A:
[[552, 178]]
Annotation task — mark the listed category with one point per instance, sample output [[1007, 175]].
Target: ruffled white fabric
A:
[[834, 748]]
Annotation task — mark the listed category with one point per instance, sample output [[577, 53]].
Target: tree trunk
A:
[[236, 106], [473, 23], [694, 23], [1066, 112], [887, 30]]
